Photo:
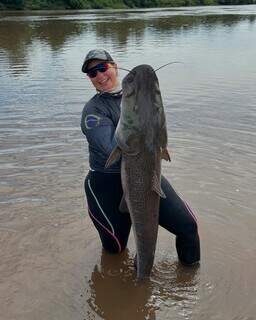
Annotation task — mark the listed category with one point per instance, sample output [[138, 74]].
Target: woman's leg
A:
[[177, 217], [104, 193]]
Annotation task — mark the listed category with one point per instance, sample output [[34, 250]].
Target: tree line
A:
[[101, 4]]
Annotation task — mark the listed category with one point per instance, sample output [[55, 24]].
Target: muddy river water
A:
[[51, 263]]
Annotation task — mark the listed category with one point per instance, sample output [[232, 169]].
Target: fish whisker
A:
[[167, 65], [126, 70]]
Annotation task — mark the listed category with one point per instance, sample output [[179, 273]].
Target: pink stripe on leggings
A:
[[190, 210], [118, 243]]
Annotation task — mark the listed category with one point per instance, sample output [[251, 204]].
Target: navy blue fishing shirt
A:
[[99, 120]]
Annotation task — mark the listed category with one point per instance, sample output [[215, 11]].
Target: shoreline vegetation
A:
[[114, 4]]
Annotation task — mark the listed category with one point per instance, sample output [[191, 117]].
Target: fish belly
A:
[[143, 204]]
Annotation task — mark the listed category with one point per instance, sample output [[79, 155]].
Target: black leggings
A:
[[104, 193]]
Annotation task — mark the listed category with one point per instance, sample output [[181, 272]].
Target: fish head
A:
[[141, 91], [142, 113]]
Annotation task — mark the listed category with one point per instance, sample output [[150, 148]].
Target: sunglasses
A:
[[101, 67]]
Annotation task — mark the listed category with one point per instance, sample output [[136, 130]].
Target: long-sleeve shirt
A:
[[99, 120]]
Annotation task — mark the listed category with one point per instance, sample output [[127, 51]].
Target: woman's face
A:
[[104, 81]]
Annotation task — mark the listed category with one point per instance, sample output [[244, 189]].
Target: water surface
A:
[[51, 262]]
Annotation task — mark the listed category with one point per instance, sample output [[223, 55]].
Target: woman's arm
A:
[[99, 131]]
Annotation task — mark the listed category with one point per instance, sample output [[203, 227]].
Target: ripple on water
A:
[[211, 120], [172, 288]]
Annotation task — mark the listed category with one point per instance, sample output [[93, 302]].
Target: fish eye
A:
[[130, 78], [127, 85]]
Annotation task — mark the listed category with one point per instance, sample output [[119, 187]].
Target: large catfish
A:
[[141, 137]]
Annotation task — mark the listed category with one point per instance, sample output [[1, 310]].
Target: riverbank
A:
[[115, 4]]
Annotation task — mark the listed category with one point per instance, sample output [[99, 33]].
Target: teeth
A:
[[103, 81]]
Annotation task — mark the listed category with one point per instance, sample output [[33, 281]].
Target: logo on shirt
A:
[[92, 121]]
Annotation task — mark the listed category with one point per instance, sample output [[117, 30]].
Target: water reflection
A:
[[57, 37], [25, 33], [210, 107], [24, 37], [115, 293], [186, 23], [118, 29], [16, 46]]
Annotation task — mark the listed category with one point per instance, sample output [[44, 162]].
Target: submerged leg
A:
[[177, 217]]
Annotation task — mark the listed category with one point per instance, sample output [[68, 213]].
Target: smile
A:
[[103, 81]]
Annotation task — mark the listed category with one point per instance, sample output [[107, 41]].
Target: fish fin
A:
[[157, 186], [165, 154], [123, 206], [114, 156]]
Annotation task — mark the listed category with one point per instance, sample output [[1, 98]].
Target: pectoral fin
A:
[[123, 206], [114, 156], [156, 186], [165, 154]]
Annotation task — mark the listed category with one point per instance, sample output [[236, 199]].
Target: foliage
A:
[[12, 4], [99, 4], [78, 4]]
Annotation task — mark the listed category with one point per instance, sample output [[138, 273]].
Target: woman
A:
[[103, 185]]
